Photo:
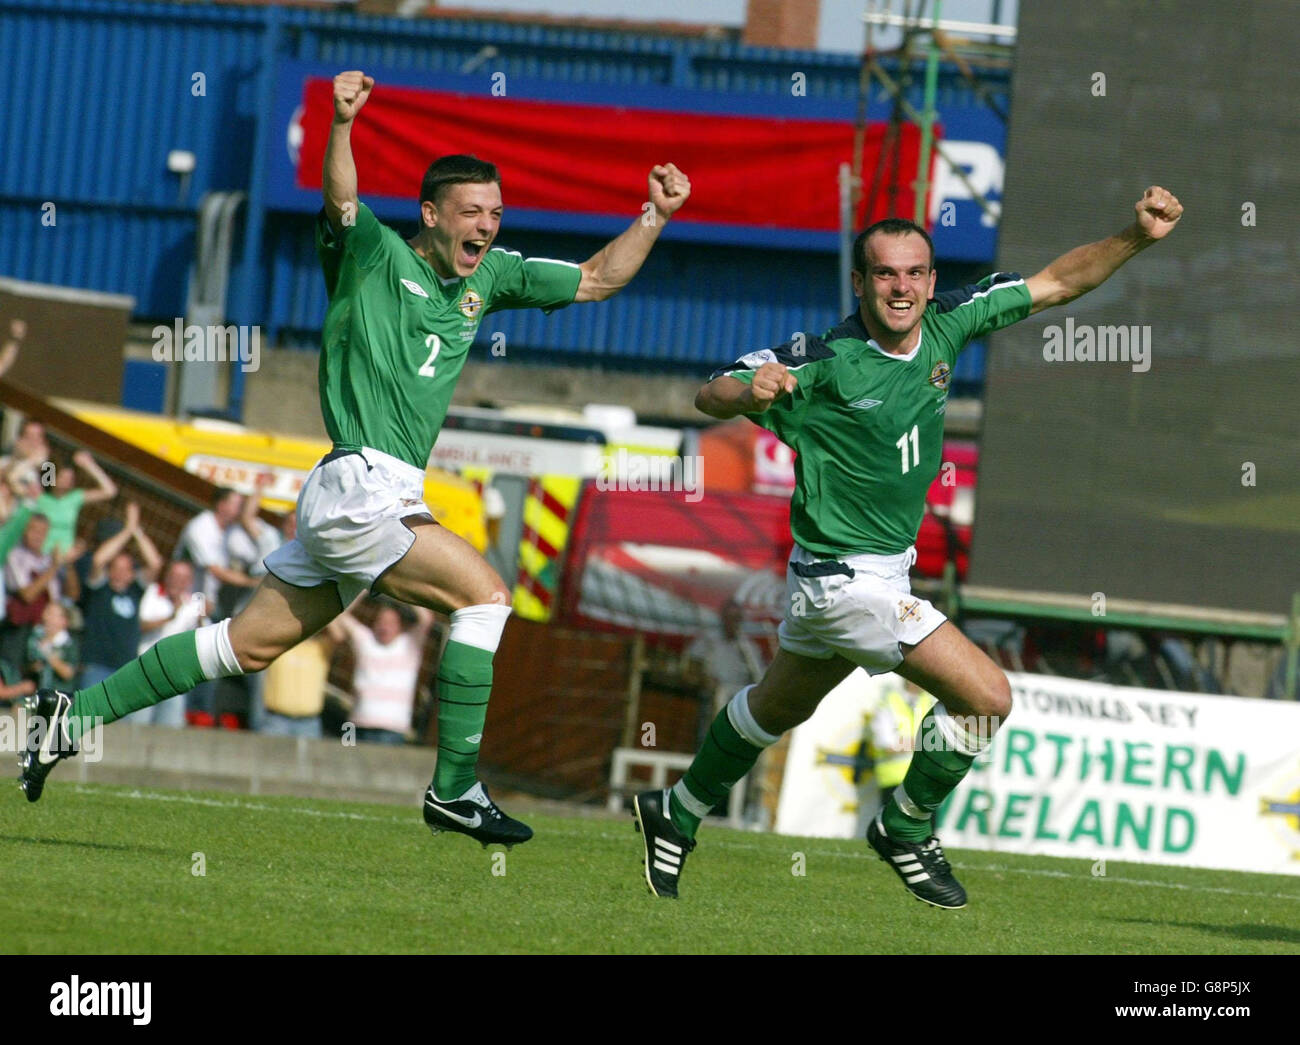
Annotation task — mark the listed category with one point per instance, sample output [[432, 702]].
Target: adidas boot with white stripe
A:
[[665, 847], [924, 869]]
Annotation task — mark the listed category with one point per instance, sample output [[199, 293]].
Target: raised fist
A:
[[1158, 212], [669, 189], [351, 89]]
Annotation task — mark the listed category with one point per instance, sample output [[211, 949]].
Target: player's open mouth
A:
[[471, 250], [900, 306]]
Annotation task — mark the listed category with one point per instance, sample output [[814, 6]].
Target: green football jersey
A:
[[397, 334], [867, 426]]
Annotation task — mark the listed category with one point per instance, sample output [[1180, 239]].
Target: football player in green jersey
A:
[[863, 408], [401, 318]]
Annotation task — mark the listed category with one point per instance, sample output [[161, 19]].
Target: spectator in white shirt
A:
[[388, 656], [203, 544], [249, 540]]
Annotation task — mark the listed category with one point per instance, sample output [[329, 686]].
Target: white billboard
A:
[[1085, 770]]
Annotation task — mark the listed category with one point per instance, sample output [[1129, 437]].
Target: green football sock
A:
[[464, 684], [724, 758], [934, 773], [160, 672]]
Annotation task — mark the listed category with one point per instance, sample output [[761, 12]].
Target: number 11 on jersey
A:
[[915, 437]]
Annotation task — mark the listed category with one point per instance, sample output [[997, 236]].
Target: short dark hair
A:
[[446, 171], [890, 227], [221, 493]]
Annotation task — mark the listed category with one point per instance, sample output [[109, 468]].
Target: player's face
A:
[[465, 222], [898, 281]]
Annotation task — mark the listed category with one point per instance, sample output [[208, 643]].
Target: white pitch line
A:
[[1041, 872], [217, 803], [155, 796]]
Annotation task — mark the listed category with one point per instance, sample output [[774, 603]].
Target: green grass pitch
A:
[[289, 875]]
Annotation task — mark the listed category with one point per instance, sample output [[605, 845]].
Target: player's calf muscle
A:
[[792, 688]]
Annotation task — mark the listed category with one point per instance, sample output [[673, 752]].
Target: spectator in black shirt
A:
[[111, 601]]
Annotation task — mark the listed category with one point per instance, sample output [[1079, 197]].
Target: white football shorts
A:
[[350, 527], [860, 607]]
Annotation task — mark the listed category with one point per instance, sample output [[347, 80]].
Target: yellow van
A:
[[229, 454]]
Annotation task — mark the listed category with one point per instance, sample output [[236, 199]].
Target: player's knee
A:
[[774, 714], [252, 664], [255, 659], [487, 595], [999, 696], [253, 653]]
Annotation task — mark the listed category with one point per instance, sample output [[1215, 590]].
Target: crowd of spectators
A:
[[74, 609]]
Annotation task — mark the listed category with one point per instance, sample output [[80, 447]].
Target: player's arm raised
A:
[[339, 181], [612, 267], [1079, 271], [726, 396]]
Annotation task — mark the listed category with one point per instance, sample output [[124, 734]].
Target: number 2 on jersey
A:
[[433, 343], [915, 437]]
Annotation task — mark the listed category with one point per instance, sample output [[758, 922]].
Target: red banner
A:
[[588, 159]]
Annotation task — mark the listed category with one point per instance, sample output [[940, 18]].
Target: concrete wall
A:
[[248, 763]]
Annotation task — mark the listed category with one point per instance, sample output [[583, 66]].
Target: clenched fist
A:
[[1158, 212], [771, 382], [669, 189], [351, 89]]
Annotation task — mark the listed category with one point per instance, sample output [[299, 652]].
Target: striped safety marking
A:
[[548, 510]]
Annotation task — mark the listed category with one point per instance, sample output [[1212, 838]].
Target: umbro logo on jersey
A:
[[866, 404], [415, 288]]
